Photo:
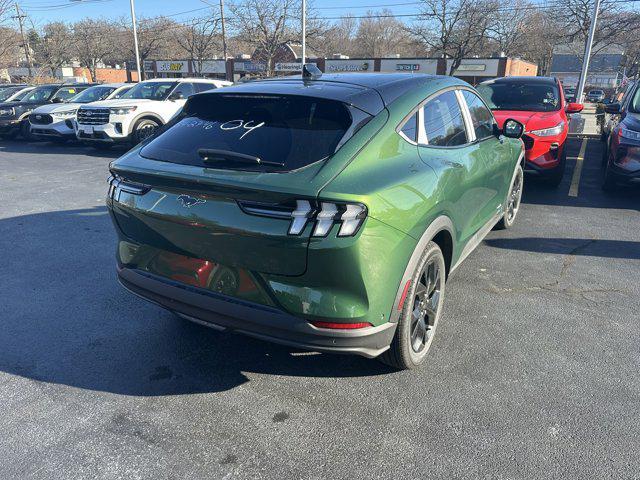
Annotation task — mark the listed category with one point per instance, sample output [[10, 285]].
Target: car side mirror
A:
[[512, 128], [574, 107], [176, 96], [57, 100], [612, 108]]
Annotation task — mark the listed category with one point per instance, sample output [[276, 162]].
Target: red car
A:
[[539, 104]]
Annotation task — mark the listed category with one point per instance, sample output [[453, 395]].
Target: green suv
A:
[[322, 211]]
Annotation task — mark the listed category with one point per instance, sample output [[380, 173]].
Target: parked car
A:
[[569, 94], [539, 104], [621, 158], [56, 121], [14, 116], [324, 213], [140, 112], [595, 96]]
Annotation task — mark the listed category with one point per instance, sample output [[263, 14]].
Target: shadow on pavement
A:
[[570, 246], [65, 320], [66, 148]]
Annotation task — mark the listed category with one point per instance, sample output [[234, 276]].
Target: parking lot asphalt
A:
[[534, 372]]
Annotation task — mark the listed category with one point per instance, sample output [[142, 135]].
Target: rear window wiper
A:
[[214, 155]]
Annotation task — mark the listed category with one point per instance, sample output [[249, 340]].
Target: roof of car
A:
[[541, 80], [370, 92], [186, 79]]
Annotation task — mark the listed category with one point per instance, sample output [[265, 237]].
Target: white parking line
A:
[[577, 171]]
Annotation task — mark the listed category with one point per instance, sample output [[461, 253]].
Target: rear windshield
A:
[[533, 97], [256, 132]]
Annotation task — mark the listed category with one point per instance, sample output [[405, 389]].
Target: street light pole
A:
[[304, 31], [587, 53], [224, 33], [135, 39]]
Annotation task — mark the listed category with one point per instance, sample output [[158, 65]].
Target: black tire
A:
[[609, 179], [512, 204], [25, 130], [143, 129], [555, 177], [421, 312]]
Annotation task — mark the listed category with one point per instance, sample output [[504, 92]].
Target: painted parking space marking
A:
[[577, 171]]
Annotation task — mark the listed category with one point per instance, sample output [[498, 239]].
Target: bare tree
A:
[[93, 42], [9, 37], [452, 28], [51, 45], [266, 25], [200, 40], [380, 35], [338, 38], [508, 28]]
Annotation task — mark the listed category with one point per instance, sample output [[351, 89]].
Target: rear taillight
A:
[[341, 326], [324, 215]]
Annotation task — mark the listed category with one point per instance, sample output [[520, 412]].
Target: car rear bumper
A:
[[261, 321]]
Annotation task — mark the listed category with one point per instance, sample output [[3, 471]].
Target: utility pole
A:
[[224, 32], [304, 31], [135, 39], [20, 17], [587, 53]]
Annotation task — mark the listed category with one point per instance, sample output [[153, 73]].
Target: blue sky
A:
[[69, 11]]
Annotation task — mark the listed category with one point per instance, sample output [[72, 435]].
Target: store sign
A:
[[288, 67], [173, 67], [249, 67], [349, 65], [407, 67], [210, 66], [472, 67]]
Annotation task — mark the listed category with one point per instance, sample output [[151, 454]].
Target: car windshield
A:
[[39, 94], [150, 90], [65, 93], [256, 132], [5, 93], [92, 94], [534, 97]]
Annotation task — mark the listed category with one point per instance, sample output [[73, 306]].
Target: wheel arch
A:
[[440, 231], [145, 116]]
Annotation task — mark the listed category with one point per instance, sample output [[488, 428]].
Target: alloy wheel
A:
[[513, 203], [426, 304]]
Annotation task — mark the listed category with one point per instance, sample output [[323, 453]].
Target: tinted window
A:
[[150, 90], [235, 131], [39, 94], [443, 121], [518, 95], [480, 115], [186, 89], [203, 87], [410, 128]]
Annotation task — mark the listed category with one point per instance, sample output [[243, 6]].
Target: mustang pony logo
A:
[[189, 201]]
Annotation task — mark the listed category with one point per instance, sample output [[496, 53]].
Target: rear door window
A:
[[203, 87], [256, 132], [443, 121]]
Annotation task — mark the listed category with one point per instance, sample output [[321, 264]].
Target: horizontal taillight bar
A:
[[325, 215], [117, 185]]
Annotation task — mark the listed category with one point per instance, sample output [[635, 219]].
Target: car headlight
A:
[[549, 132], [122, 110], [65, 113], [630, 134], [6, 112]]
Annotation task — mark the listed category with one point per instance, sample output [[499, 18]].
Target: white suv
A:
[[139, 112]]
